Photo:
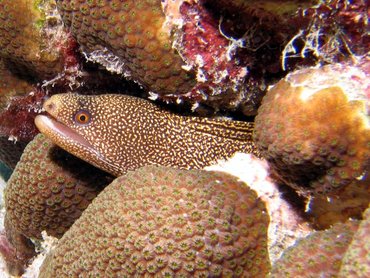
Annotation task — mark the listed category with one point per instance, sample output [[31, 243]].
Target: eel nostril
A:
[[49, 107]]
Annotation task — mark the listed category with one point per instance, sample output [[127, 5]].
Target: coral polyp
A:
[[155, 93], [174, 49], [356, 261], [166, 222], [31, 38], [48, 191], [313, 127], [135, 36], [318, 255]]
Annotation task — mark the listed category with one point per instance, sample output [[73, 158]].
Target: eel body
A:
[[117, 133]]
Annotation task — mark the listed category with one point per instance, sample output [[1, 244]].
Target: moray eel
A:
[[117, 133]]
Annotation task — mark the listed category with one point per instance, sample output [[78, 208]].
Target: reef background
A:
[[333, 37]]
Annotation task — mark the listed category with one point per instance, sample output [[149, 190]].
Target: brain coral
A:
[[356, 261], [313, 127], [49, 189], [318, 255], [166, 222], [26, 32]]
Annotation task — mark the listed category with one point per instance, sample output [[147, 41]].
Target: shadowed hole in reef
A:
[[5, 171], [87, 173]]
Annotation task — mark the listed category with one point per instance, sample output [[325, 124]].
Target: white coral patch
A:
[[107, 59], [285, 225], [352, 80], [47, 245]]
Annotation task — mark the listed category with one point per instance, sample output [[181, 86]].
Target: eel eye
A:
[[82, 117]]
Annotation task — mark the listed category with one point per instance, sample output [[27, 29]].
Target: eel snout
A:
[[51, 106]]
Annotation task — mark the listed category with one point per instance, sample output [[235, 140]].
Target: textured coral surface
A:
[[206, 57], [49, 189], [135, 33], [318, 255], [160, 221], [313, 128], [356, 261], [24, 40]]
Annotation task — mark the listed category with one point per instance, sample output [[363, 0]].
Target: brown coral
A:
[[318, 255], [313, 127], [25, 38], [49, 189], [351, 202], [175, 49], [356, 261], [166, 222], [136, 36]]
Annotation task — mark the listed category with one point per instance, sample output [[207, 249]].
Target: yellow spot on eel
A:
[[117, 133]]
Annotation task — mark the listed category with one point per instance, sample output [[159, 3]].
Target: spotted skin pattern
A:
[[125, 133]]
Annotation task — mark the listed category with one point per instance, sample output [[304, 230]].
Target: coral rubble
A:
[[166, 222]]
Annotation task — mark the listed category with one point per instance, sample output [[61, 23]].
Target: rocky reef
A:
[[135, 99]]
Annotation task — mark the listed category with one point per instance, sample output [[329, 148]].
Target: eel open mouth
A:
[[74, 143], [61, 134]]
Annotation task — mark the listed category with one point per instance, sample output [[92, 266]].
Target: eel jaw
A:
[[70, 141], [59, 132]]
